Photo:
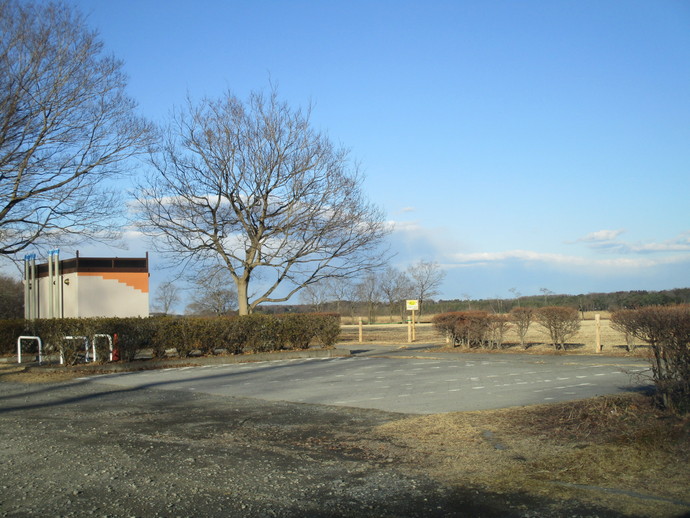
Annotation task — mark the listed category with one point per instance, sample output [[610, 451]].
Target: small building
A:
[[86, 287]]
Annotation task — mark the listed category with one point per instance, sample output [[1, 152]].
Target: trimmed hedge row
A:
[[236, 335]]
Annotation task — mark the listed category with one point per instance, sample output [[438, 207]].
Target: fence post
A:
[[597, 327], [361, 331], [409, 330]]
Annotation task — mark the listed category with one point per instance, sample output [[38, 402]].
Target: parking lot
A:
[[399, 382]]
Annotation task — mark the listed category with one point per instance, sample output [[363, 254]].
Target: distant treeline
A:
[[588, 302], [584, 302]]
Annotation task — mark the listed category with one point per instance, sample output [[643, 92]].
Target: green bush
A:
[[252, 333], [10, 330], [327, 328]]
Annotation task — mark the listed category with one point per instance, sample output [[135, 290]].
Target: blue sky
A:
[[519, 144]]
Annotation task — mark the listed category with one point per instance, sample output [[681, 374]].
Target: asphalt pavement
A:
[[404, 379]]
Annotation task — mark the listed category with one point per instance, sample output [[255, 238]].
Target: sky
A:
[[521, 145]]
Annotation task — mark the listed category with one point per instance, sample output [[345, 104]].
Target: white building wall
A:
[[99, 297]]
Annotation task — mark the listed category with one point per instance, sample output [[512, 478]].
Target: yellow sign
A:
[[412, 305]]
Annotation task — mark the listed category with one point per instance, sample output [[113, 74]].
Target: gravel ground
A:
[[76, 449]]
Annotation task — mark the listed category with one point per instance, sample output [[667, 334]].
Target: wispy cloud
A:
[[464, 260], [601, 235], [606, 241]]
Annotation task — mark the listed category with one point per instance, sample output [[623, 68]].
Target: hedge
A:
[[236, 335]]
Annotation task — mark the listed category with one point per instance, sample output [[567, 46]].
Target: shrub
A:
[[497, 327], [467, 328], [522, 318], [561, 323], [131, 334], [667, 331], [10, 330], [327, 328], [297, 330], [252, 333]]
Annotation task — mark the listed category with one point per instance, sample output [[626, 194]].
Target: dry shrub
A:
[[667, 330], [560, 322]]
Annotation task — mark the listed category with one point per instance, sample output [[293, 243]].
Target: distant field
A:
[[613, 342]]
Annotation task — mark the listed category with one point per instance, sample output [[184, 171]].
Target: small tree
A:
[[394, 286], [167, 297], [368, 292], [561, 323], [212, 295], [426, 280], [522, 318], [315, 295]]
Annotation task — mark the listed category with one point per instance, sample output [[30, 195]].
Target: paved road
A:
[[394, 380]]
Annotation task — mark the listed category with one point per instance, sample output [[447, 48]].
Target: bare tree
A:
[[66, 129], [315, 295], [250, 186], [212, 294], [516, 294], [426, 279], [369, 293], [340, 291], [395, 287], [167, 297], [546, 293]]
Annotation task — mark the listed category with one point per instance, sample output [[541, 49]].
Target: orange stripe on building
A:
[[137, 280]]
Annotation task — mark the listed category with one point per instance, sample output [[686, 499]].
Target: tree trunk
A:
[[243, 296]]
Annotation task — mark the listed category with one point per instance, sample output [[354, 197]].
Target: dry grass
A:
[[614, 451], [11, 372]]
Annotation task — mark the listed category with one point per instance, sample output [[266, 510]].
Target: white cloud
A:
[[601, 235]]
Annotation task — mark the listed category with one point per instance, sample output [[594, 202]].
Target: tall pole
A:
[[58, 286], [34, 287], [27, 289], [51, 291]]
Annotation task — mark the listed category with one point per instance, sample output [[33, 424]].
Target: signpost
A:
[[412, 305]]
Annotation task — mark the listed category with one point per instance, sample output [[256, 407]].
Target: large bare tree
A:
[[252, 187], [66, 128]]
